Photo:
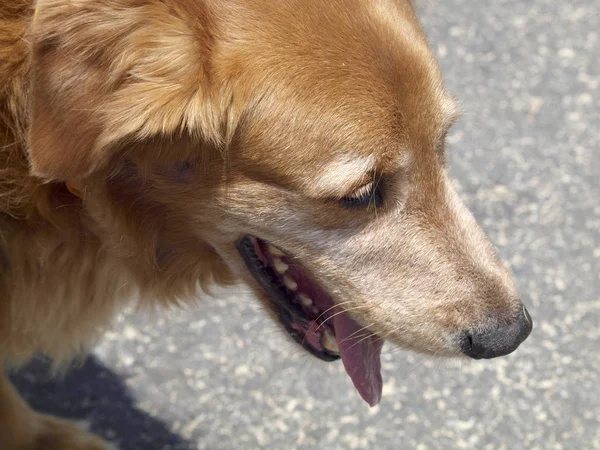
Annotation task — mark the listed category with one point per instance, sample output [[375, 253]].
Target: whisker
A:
[[332, 307], [350, 336], [389, 333], [361, 329], [360, 336], [361, 340], [337, 314], [331, 317]]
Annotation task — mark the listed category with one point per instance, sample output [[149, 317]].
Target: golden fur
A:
[[189, 123]]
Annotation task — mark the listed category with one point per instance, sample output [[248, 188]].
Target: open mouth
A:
[[312, 318]]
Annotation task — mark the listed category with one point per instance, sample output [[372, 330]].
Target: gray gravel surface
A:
[[526, 159]]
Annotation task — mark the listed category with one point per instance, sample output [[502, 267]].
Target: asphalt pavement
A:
[[526, 158]]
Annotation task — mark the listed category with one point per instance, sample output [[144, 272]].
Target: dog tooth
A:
[[280, 266], [305, 300], [290, 283], [329, 342], [274, 250]]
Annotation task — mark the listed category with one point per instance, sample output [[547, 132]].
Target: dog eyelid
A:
[[362, 190], [453, 116], [369, 194]]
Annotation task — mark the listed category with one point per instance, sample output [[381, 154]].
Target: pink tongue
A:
[[361, 357]]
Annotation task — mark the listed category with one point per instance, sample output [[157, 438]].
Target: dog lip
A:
[[287, 320], [293, 317], [262, 275]]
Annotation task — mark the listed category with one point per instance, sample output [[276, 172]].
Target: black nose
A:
[[499, 341]]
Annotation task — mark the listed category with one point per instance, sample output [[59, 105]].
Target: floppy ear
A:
[[105, 74]]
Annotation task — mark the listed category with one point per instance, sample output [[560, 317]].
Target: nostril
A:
[[527, 317], [498, 341], [526, 323]]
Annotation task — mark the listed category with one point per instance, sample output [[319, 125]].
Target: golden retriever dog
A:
[[151, 148]]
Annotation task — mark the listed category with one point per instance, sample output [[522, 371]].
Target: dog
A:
[[152, 148]]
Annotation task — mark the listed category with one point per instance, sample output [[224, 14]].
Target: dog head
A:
[[295, 145]]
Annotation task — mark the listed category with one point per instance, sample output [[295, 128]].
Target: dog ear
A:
[[108, 74]]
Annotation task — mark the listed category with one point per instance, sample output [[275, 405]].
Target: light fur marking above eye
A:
[[341, 175]]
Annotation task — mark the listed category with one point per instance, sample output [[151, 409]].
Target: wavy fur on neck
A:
[[68, 263]]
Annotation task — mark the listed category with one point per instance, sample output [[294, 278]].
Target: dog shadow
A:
[[93, 394]]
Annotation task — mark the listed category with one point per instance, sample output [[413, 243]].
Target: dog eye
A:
[[368, 195]]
